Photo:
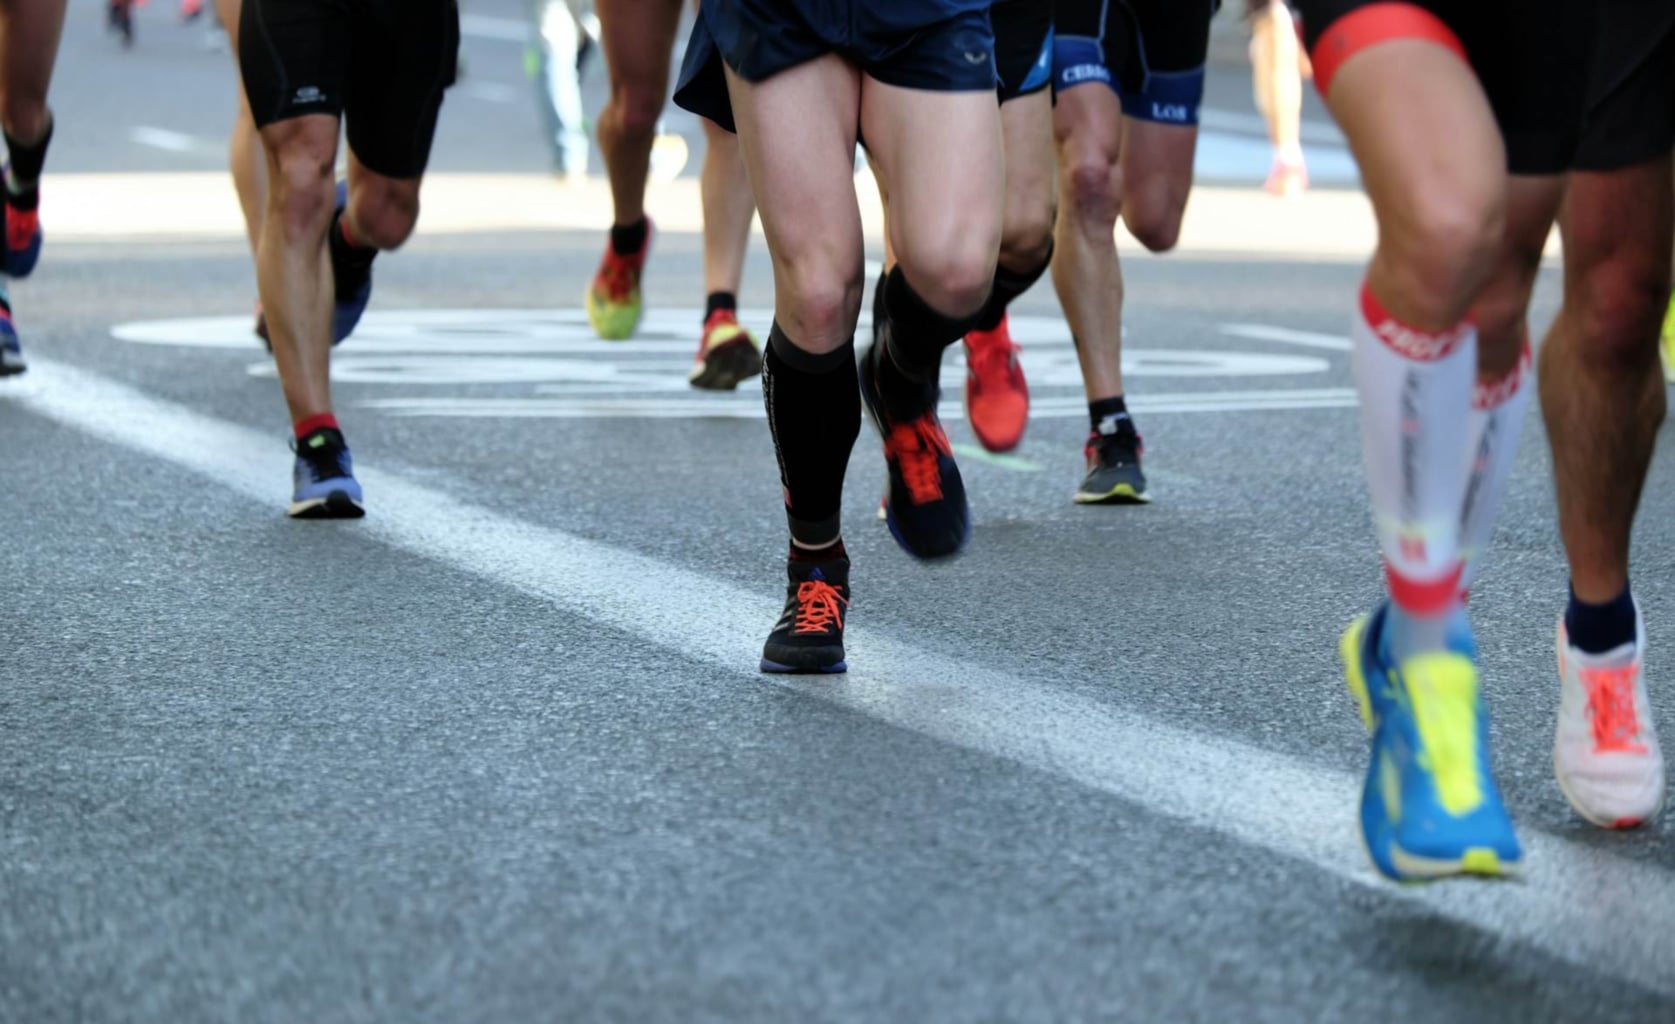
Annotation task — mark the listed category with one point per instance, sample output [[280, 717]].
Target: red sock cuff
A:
[[1411, 342], [1423, 597], [1373, 24], [309, 424], [1494, 392]]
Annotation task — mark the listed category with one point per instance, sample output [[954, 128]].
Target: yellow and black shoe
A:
[[727, 354]]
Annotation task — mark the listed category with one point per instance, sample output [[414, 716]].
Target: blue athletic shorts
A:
[[1150, 52]]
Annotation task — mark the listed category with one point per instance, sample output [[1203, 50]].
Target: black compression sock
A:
[[628, 239], [24, 176], [833, 552], [717, 301], [1009, 284], [814, 411], [916, 334], [1598, 628]]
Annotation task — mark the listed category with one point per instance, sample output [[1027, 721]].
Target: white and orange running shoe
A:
[[1605, 753]]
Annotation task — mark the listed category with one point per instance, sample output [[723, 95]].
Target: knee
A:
[[1093, 192], [1618, 308], [636, 107], [1504, 304], [1155, 221], [385, 212], [1026, 240], [304, 191], [1442, 250], [954, 279], [823, 300]]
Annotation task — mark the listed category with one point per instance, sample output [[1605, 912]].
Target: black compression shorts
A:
[[1529, 55], [1023, 46], [1631, 99], [380, 65], [1151, 52]]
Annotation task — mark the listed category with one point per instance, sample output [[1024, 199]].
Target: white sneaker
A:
[[1605, 753]]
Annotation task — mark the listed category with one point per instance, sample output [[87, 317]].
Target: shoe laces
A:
[[1611, 708], [619, 275], [1448, 737], [991, 355], [1107, 450], [819, 607], [917, 448], [324, 462]]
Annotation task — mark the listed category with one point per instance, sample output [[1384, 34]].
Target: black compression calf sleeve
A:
[[814, 411], [1009, 284], [915, 333]]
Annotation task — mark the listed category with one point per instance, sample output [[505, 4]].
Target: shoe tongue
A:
[[323, 440], [1111, 426], [817, 575]]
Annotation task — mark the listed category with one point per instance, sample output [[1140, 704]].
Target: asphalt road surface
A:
[[500, 752]]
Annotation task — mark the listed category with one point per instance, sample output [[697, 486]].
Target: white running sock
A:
[[1497, 421], [1416, 392]]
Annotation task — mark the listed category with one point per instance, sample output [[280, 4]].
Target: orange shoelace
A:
[[819, 607], [1611, 703], [620, 275], [915, 446], [993, 359]]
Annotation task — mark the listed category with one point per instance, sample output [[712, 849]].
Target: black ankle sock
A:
[[814, 411], [1106, 415], [717, 301], [628, 239], [833, 553], [1597, 628], [1008, 285], [24, 178]]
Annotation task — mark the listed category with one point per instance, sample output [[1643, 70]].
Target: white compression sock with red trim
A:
[[1497, 421], [1416, 392]]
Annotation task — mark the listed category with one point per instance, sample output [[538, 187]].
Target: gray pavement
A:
[[500, 753]]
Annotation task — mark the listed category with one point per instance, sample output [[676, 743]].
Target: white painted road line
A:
[[162, 138], [1286, 336], [1608, 915], [576, 403]]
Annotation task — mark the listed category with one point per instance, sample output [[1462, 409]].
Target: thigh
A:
[[940, 154], [294, 57], [406, 57], [797, 134], [1157, 173], [638, 37], [1027, 130]]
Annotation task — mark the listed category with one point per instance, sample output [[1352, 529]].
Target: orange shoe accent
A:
[[1373, 24], [819, 607], [618, 276], [1611, 705], [21, 226], [915, 446], [996, 394]]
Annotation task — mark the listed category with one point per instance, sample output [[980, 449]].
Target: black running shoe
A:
[[809, 635], [1114, 476], [924, 497]]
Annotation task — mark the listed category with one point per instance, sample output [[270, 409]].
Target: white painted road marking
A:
[[1284, 335], [1607, 915], [162, 138]]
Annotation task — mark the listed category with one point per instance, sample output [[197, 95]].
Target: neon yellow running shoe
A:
[[613, 299], [1668, 343]]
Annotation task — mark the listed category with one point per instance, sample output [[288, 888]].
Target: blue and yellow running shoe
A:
[[324, 478], [1429, 808]]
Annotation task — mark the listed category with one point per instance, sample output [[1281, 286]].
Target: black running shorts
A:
[[380, 65], [1529, 55], [936, 45], [1023, 46], [1631, 99]]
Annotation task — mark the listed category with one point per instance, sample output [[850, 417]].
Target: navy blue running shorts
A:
[[936, 45], [1150, 52]]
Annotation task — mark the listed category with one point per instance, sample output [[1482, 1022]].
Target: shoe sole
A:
[[1122, 494], [724, 367], [1478, 861], [336, 505], [778, 669], [11, 369]]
